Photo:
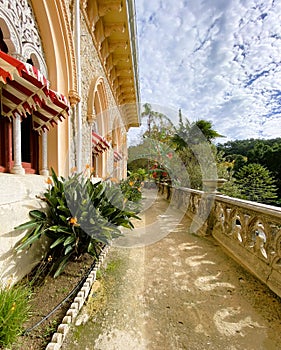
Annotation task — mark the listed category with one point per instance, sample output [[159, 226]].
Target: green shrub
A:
[[132, 187], [80, 218], [14, 311]]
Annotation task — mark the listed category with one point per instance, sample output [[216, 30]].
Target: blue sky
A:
[[218, 60]]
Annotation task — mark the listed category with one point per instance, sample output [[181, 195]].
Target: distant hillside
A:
[[243, 147]]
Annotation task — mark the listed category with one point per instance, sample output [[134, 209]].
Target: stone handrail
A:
[[249, 231]]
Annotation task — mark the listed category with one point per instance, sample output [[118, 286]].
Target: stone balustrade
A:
[[249, 231]]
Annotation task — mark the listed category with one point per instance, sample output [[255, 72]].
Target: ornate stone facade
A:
[[21, 32]]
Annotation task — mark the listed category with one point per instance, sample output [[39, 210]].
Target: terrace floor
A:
[[164, 288]]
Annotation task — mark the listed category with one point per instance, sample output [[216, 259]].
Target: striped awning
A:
[[25, 90], [99, 144], [117, 156]]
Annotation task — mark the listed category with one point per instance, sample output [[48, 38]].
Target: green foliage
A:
[[238, 162], [206, 127], [132, 187], [190, 134], [231, 188], [244, 147], [14, 311], [80, 218], [256, 184], [159, 126], [264, 152]]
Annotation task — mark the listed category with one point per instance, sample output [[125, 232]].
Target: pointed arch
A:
[[97, 99], [52, 20], [97, 114]]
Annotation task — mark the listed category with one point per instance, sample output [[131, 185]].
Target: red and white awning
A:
[[117, 156], [99, 144], [24, 89]]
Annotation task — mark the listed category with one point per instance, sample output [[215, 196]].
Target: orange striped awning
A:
[[99, 144], [25, 90]]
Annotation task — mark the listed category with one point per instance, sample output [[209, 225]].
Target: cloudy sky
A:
[[218, 60]]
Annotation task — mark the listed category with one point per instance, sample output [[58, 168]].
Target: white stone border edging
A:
[[72, 313]]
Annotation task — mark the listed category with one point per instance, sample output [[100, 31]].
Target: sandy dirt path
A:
[[181, 292]]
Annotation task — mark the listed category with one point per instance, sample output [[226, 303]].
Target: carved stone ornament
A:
[[125, 81], [84, 4], [23, 28], [121, 58], [124, 72], [91, 118], [109, 6], [73, 97], [118, 45], [113, 28]]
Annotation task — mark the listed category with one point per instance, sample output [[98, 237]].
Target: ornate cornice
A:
[[115, 45], [111, 28], [109, 6], [109, 24]]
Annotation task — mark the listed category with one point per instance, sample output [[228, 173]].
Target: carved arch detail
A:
[[97, 94]]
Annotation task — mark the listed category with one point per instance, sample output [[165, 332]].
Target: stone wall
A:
[[18, 197], [249, 231]]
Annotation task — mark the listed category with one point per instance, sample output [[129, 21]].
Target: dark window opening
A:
[[29, 60], [26, 126], [29, 146], [3, 45], [5, 144]]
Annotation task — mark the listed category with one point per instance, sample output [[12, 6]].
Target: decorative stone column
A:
[[74, 100], [17, 167], [211, 185], [44, 171]]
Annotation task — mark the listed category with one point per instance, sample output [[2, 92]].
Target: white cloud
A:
[[218, 60]]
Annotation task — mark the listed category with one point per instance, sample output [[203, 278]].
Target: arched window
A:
[[98, 107]]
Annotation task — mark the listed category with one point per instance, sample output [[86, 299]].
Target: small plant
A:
[[50, 329], [14, 311], [132, 187], [80, 217]]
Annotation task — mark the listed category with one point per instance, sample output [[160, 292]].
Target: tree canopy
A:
[[256, 184]]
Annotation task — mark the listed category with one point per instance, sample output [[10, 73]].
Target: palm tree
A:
[[195, 133], [206, 127], [159, 126]]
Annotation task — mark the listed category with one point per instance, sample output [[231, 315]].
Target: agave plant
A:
[[80, 217]]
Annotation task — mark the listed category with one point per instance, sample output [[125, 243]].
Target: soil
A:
[[47, 294]]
